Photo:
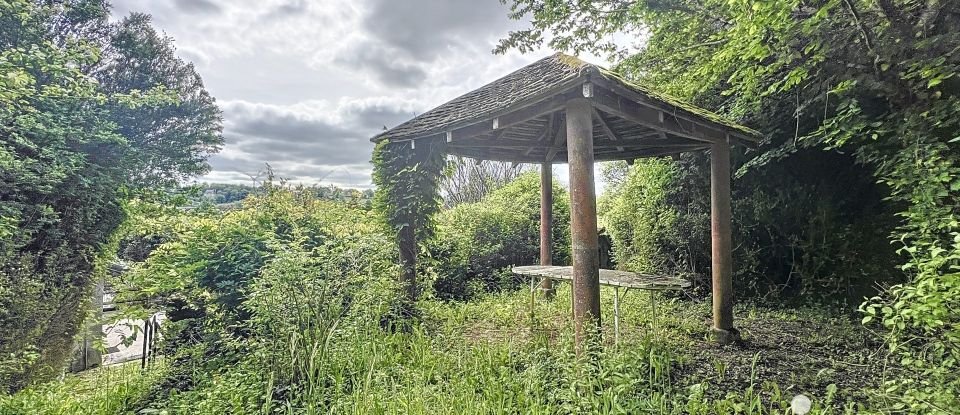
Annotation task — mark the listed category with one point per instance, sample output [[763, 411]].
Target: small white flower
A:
[[800, 404]]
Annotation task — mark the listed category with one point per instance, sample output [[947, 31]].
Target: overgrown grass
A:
[[489, 356], [110, 390], [492, 356]]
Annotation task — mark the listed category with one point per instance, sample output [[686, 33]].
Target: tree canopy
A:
[[89, 111]]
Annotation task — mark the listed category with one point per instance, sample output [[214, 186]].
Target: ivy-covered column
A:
[[407, 243], [407, 176]]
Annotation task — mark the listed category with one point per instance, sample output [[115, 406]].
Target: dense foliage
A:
[[408, 197], [482, 357], [230, 194], [876, 79], [477, 243], [74, 89], [800, 237], [284, 278], [279, 307], [218, 193]]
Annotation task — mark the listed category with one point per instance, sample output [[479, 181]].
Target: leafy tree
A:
[[171, 141], [66, 157], [874, 78]]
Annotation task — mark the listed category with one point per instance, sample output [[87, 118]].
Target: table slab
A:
[[607, 277]]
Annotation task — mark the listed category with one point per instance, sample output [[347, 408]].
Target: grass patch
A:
[[109, 390], [492, 356]]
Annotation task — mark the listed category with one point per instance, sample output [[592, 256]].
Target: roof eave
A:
[[559, 89]]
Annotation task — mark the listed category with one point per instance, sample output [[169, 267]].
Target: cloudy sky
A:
[[304, 84]]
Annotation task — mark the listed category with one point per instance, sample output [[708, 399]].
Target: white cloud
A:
[[304, 84]]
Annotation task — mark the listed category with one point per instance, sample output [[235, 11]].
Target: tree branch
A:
[[863, 30]]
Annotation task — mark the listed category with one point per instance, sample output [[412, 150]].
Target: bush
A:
[[91, 110], [476, 243], [798, 230], [281, 279], [639, 218]]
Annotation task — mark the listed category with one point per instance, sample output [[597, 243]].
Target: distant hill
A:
[[231, 194]]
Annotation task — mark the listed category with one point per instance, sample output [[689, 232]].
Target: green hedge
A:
[[476, 243]]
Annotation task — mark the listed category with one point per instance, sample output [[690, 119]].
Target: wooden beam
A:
[[514, 155], [509, 119], [652, 134], [621, 147], [559, 138], [549, 128], [583, 222], [606, 128], [627, 155], [614, 104], [498, 134], [678, 115]]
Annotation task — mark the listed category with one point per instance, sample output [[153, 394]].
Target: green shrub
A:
[[639, 218], [91, 110], [279, 281], [476, 243], [798, 230]]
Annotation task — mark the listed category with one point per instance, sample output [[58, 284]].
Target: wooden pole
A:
[[146, 344], [583, 219], [408, 263], [546, 224], [722, 257]]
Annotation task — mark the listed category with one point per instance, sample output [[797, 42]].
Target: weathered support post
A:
[[546, 224], [722, 257], [145, 353], [408, 262], [583, 219]]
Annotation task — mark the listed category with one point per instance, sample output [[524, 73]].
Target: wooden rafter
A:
[[604, 126], [612, 103], [560, 137]]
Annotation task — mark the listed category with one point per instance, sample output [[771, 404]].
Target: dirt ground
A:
[[799, 355]]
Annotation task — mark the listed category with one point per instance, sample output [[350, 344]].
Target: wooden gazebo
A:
[[561, 109]]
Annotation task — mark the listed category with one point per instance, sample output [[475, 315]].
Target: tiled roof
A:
[[532, 81]]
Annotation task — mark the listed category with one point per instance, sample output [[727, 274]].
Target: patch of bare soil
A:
[[800, 356]]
